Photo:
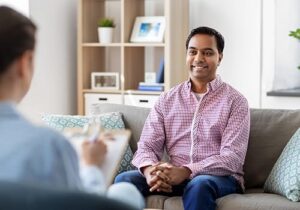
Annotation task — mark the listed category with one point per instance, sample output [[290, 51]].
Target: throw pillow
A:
[[112, 120], [284, 178]]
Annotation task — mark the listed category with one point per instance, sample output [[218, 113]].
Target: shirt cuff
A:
[[192, 169], [92, 179]]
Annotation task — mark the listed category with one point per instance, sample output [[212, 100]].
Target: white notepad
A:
[[116, 148]]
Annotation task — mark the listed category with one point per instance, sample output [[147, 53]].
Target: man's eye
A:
[[192, 52], [208, 53]]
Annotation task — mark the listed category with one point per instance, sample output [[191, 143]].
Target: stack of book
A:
[[158, 85], [151, 86]]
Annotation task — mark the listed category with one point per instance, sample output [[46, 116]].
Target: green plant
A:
[[296, 34], [106, 22]]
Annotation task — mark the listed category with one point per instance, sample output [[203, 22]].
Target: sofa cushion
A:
[[284, 178], [256, 201], [269, 133], [134, 118], [156, 201], [251, 201], [111, 120]]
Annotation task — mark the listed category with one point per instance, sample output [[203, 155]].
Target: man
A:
[[32, 154], [203, 124]]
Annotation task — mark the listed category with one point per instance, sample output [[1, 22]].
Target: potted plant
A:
[[296, 34], [105, 30]]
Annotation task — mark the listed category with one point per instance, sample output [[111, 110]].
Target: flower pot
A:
[[105, 34]]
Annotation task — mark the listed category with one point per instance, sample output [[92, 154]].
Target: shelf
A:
[[124, 44], [130, 60], [102, 91], [144, 44], [139, 92], [101, 45], [293, 92]]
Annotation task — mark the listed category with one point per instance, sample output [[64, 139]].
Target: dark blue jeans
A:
[[200, 193]]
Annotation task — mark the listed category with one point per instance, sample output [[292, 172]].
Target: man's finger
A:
[[156, 168], [155, 186], [162, 175], [153, 180], [167, 190], [161, 186]]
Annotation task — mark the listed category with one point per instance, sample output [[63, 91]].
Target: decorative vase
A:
[[105, 34]]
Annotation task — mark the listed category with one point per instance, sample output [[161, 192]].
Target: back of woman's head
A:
[[17, 35]]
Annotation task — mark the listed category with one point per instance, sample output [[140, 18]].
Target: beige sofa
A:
[[270, 131]]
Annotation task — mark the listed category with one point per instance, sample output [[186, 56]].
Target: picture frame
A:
[[105, 80], [148, 29]]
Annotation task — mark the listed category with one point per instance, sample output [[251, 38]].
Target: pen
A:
[[94, 131]]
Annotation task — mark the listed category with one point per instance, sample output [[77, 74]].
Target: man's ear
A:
[[220, 58], [25, 63]]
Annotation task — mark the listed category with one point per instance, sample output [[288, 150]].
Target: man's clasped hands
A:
[[162, 176]]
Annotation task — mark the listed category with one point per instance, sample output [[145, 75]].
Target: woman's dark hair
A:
[[210, 32], [17, 35]]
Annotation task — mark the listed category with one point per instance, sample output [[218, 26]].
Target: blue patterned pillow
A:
[[284, 178], [112, 120]]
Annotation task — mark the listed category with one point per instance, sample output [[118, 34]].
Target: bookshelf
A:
[[129, 60]]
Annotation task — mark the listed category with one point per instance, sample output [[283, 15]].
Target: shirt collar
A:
[[212, 85], [8, 108]]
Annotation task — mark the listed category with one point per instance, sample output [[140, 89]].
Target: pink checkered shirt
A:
[[209, 136]]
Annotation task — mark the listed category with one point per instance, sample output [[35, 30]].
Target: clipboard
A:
[[116, 148]]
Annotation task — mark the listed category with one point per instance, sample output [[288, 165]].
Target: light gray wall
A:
[[53, 88]]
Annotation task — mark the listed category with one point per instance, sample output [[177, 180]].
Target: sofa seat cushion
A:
[[156, 201], [248, 201], [256, 201]]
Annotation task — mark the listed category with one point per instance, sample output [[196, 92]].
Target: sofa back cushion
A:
[[134, 118], [270, 131]]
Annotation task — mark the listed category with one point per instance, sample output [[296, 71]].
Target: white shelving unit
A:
[[130, 60]]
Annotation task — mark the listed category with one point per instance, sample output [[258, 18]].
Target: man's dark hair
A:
[[210, 32], [17, 35]]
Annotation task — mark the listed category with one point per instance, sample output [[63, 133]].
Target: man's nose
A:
[[199, 57]]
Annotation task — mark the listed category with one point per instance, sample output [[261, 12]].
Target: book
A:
[[161, 72], [150, 88], [151, 84]]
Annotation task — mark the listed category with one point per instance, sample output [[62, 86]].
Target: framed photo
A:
[[105, 80], [148, 29]]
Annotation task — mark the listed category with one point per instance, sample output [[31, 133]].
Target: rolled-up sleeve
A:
[[151, 143]]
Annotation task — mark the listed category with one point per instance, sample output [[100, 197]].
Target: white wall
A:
[[239, 22], [281, 53], [20, 5], [287, 49], [53, 88]]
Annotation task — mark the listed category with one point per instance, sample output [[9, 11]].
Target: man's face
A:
[[203, 58]]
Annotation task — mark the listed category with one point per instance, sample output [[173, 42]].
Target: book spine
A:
[[151, 88]]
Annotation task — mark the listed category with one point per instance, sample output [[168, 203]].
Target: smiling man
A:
[[203, 124]]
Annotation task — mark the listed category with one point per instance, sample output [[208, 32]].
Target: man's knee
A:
[[201, 183], [128, 176]]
